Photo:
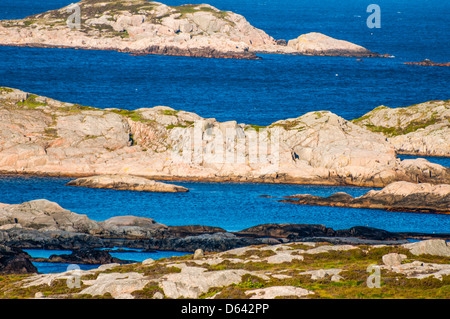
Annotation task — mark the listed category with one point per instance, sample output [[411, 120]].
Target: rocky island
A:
[[148, 27], [124, 182], [398, 196], [428, 62], [43, 136]]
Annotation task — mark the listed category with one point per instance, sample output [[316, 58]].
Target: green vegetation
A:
[[132, 115], [31, 102], [77, 108], [362, 118]]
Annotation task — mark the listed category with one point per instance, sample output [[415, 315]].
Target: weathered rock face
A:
[[46, 137], [398, 196], [436, 247], [123, 182], [422, 129], [15, 261], [148, 27]]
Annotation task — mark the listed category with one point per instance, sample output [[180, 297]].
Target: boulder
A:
[[45, 215], [198, 254], [397, 196], [436, 247], [393, 259], [420, 129]]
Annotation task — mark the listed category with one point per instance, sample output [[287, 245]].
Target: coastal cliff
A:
[[43, 136], [148, 27]]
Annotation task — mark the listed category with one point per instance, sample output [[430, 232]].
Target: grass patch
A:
[[187, 124], [31, 102], [77, 108], [257, 128], [148, 291], [6, 90], [169, 112], [395, 131]]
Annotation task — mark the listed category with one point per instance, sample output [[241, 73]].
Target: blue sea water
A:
[[250, 91]]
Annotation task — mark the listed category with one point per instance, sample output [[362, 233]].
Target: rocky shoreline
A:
[[147, 27], [53, 138], [399, 196]]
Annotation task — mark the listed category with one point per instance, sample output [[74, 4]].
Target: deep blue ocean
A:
[[249, 91]]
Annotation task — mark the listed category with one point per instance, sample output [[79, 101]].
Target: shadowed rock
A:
[[421, 129]]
